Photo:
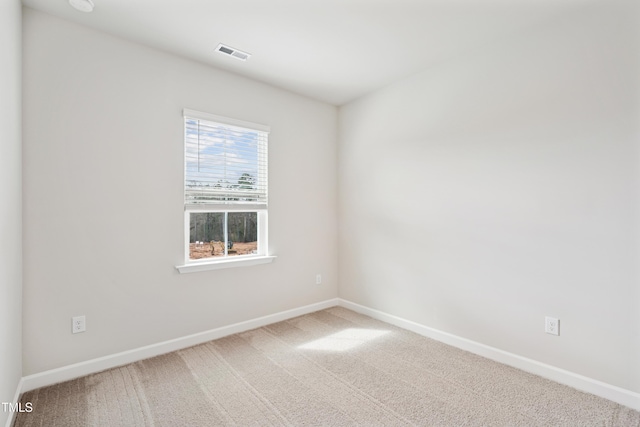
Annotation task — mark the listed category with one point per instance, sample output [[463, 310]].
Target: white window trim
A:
[[236, 261], [263, 257], [224, 120]]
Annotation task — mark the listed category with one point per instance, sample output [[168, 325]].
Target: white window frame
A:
[[261, 257]]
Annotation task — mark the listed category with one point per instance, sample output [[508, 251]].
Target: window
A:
[[225, 189]]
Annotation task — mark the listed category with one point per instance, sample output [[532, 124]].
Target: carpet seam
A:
[[250, 387], [141, 396], [221, 409]]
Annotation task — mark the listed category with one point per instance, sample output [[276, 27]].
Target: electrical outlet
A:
[[318, 279], [78, 324], [552, 325]]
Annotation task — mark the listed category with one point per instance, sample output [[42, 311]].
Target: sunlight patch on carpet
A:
[[344, 340]]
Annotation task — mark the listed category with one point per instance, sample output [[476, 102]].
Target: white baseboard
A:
[[589, 385], [580, 382], [66, 373], [16, 397]]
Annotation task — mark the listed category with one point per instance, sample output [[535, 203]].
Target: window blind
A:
[[225, 163]]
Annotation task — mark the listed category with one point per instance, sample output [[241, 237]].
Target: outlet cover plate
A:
[[78, 324], [552, 325]]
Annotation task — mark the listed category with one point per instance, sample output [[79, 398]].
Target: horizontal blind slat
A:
[[235, 207], [224, 163]]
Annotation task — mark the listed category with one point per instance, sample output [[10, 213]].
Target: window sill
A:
[[226, 263]]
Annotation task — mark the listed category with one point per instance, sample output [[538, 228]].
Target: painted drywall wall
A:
[[481, 195], [103, 198], [10, 201]]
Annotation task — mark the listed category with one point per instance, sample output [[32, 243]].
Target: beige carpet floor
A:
[[329, 368]]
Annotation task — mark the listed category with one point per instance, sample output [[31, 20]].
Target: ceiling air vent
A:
[[238, 54]]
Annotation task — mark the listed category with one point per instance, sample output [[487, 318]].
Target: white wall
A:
[[481, 195], [103, 207], [10, 201]]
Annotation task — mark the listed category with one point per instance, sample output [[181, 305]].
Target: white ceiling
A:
[[330, 50]]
